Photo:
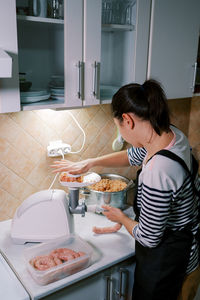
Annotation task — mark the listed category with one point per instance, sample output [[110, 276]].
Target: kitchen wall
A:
[[24, 136]]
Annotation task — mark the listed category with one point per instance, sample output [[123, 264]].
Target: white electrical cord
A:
[[79, 126], [62, 154]]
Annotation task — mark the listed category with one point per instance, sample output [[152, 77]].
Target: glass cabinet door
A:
[[109, 34], [117, 45], [40, 32]]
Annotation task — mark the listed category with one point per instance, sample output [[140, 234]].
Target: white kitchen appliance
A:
[[41, 217], [48, 214]]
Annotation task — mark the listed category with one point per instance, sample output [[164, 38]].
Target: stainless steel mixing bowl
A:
[[116, 199]]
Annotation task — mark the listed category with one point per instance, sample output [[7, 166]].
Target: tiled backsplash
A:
[[24, 137]]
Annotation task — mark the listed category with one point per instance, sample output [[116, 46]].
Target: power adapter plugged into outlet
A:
[[56, 148]]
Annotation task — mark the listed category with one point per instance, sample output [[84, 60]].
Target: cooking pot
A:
[[116, 199]]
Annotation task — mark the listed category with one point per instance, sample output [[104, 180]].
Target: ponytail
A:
[[147, 101]]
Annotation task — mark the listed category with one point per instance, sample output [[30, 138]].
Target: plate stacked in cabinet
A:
[[34, 96], [57, 93], [56, 88]]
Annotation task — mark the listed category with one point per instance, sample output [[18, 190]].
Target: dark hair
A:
[[147, 101]]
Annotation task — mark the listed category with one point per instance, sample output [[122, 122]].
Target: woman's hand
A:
[[113, 214], [116, 215], [72, 167]]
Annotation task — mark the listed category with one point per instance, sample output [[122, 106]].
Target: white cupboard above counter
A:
[[77, 60], [173, 45], [83, 57]]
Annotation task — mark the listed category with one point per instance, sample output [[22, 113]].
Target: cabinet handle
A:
[[194, 76], [96, 80], [108, 287], [81, 70], [123, 279]]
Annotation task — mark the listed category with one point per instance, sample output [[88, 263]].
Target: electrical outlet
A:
[[55, 148]]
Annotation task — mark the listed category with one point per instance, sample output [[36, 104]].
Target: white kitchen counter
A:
[[109, 249]]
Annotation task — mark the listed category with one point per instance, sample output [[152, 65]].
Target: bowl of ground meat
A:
[[110, 190]]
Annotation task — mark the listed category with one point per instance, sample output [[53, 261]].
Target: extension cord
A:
[[56, 148]]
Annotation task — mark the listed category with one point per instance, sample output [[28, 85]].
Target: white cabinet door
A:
[[141, 40], [5, 65], [73, 52], [11, 287], [92, 288], [122, 279], [173, 45], [9, 87], [92, 50]]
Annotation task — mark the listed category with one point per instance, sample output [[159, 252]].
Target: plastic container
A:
[[67, 268]]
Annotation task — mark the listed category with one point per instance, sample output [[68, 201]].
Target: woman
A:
[[166, 209]]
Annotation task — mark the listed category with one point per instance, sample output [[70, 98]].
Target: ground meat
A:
[[66, 178], [109, 229], [109, 185], [55, 257]]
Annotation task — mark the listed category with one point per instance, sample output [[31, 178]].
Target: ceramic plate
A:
[[57, 97], [34, 99], [33, 93], [57, 91], [88, 179]]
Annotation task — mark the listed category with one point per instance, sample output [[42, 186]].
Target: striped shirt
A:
[[165, 195]]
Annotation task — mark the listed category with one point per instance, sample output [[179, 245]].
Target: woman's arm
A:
[[116, 215], [118, 159]]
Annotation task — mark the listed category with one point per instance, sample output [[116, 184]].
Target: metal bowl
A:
[[115, 199]]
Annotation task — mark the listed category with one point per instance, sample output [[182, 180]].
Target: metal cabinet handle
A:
[[194, 76], [96, 80], [123, 280], [108, 287], [81, 70]]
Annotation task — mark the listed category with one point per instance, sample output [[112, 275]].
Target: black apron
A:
[[160, 270]]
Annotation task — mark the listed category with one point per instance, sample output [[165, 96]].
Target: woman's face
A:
[[128, 130]]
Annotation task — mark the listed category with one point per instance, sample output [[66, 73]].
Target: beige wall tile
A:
[[56, 120], [19, 139], [4, 172], [8, 205], [17, 186], [100, 119], [13, 160], [70, 134], [37, 128], [180, 113]]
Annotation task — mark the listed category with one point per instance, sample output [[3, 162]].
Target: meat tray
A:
[[73, 242]]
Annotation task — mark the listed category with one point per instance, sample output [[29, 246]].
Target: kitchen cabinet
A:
[[174, 32], [114, 283], [89, 56], [122, 279]]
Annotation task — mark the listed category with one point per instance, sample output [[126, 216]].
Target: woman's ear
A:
[[128, 120]]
